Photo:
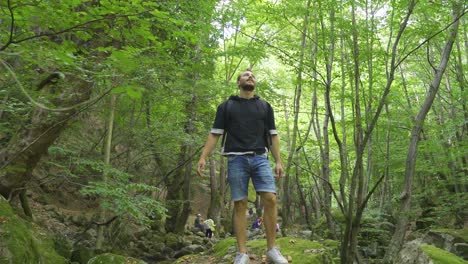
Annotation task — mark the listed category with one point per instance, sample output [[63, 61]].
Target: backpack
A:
[[261, 104]]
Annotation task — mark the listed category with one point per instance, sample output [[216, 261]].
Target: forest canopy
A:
[[110, 102]]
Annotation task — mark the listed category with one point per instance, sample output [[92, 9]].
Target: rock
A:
[[411, 253], [461, 249], [306, 234], [173, 241], [189, 250], [63, 246], [441, 240], [314, 251], [82, 254], [197, 240], [167, 251]]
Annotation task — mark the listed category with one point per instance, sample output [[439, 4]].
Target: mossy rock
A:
[[24, 242], [440, 256], [222, 247], [109, 258], [458, 233]]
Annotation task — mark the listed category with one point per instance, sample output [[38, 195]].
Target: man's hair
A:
[[239, 76]]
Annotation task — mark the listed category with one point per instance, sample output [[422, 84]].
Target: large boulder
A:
[[411, 253], [24, 242], [417, 252]]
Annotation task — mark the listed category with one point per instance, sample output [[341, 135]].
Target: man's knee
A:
[[240, 205], [268, 199]]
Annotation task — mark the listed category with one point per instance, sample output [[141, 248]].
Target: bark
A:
[[406, 196], [25, 204]]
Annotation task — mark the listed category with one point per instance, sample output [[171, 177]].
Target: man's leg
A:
[[240, 224], [269, 217]]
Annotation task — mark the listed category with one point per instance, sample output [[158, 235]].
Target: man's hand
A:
[[201, 167], [279, 170]]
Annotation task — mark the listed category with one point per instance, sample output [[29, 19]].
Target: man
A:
[[198, 223], [249, 123], [209, 227]]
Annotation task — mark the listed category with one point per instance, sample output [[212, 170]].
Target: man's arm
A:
[[275, 151], [209, 146]]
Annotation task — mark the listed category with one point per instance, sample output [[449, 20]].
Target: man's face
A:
[[247, 81]]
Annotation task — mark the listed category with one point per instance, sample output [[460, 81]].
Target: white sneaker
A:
[[242, 258], [274, 255]]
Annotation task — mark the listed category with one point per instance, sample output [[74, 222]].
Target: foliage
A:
[[122, 197], [172, 62]]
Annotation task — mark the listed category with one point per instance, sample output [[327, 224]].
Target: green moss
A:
[[331, 243], [109, 258], [294, 248], [460, 233], [23, 242], [221, 248], [440, 256]]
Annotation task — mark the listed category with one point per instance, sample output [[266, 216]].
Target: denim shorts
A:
[[242, 168]]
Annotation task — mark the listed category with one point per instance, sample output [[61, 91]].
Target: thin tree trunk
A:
[[214, 209], [386, 188], [287, 200], [107, 150], [178, 186], [356, 203], [406, 196], [325, 155]]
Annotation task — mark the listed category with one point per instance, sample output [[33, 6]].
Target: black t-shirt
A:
[[245, 123]]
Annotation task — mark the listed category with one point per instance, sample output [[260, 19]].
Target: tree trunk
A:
[[107, 151], [22, 154], [178, 186], [287, 200], [405, 198], [214, 210], [356, 202], [325, 151]]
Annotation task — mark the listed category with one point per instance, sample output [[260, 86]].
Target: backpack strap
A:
[[227, 108]]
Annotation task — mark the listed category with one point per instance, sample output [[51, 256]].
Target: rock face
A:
[[448, 242], [413, 254], [24, 242], [418, 252]]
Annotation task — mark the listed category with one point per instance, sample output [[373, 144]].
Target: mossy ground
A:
[[109, 258], [440, 256], [24, 242], [292, 247]]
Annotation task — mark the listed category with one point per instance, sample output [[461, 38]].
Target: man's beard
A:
[[248, 87]]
